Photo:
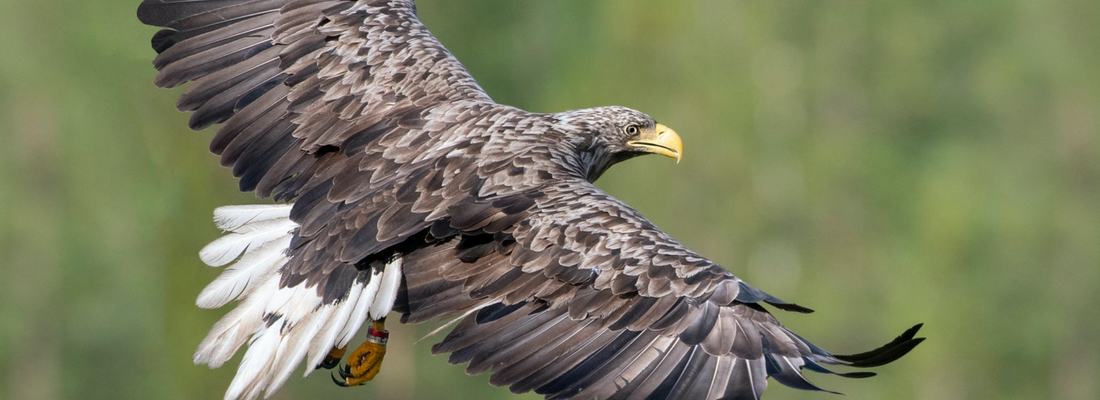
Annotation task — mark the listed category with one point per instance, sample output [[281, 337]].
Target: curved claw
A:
[[338, 382]]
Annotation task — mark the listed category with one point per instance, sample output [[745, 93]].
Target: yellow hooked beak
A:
[[660, 140]]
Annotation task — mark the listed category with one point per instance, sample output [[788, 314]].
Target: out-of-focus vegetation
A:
[[885, 163]]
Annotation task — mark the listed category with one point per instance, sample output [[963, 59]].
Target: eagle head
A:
[[608, 135]]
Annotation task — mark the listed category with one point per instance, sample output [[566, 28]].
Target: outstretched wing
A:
[[350, 108], [579, 296], [293, 80]]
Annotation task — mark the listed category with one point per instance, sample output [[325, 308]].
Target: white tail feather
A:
[[232, 218], [297, 342], [387, 293], [283, 325], [230, 332], [245, 274], [359, 315], [325, 340], [256, 362], [233, 330], [227, 248]]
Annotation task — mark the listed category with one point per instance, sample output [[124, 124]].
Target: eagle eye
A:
[[631, 130]]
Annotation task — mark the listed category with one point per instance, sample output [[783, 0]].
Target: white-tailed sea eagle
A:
[[402, 187]]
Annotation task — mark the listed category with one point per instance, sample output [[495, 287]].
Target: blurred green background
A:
[[885, 163]]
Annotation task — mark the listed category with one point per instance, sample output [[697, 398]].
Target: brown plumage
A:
[[396, 162]]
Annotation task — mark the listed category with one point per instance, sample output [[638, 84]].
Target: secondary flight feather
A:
[[403, 188]]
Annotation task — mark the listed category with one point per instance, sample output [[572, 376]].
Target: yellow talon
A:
[[365, 362]]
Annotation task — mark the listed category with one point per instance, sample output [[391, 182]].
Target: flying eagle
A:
[[402, 187]]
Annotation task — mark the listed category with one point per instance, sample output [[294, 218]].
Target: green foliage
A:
[[885, 163]]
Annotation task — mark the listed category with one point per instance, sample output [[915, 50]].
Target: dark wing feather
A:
[[343, 67], [347, 107], [683, 328]]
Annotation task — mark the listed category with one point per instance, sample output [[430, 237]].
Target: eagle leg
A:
[[364, 363]]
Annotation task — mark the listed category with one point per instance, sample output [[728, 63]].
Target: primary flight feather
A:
[[408, 190]]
